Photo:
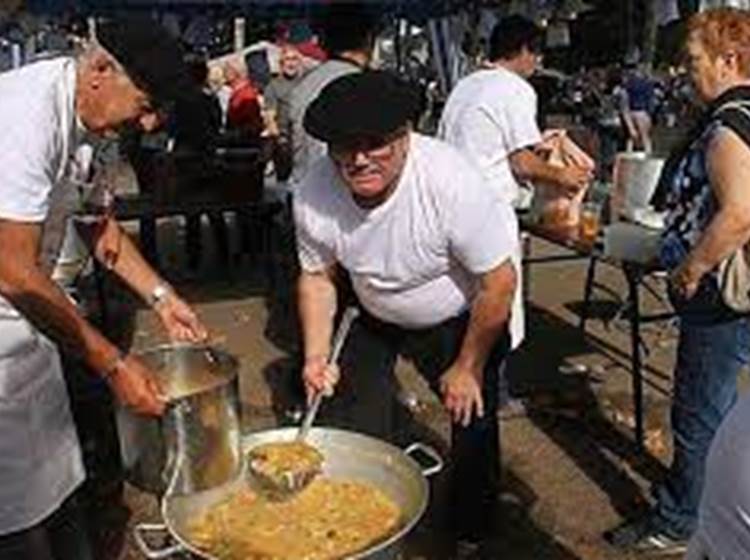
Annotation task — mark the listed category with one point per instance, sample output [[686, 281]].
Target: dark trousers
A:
[[366, 401], [713, 346], [61, 536]]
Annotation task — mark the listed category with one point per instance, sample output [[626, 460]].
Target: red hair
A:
[[722, 30]]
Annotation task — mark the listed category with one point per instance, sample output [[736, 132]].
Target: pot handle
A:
[[430, 452], [177, 455], [139, 534]]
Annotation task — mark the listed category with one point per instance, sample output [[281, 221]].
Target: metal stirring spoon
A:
[[286, 483], [347, 319]]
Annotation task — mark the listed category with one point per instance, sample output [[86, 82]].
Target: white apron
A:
[[40, 458]]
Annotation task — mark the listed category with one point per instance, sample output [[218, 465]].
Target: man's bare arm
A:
[[527, 165], [25, 285], [461, 384], [38, 298], [490, 313], [114, 248], [317, 307]]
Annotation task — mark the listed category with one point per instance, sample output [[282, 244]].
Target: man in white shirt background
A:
[[491, 116], [120, 80], [433, 257]]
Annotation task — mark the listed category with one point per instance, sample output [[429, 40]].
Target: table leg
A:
[[587, 290], [633, 279]]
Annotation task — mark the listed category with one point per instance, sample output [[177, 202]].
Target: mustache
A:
[[356, 169]]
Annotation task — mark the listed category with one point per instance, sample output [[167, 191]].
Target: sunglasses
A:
[[374, 148]]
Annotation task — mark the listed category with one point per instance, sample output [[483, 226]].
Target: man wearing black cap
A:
[[433, 257], [48, 110]]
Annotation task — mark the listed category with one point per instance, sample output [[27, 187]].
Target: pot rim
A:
[[229, 363], [184, 344]]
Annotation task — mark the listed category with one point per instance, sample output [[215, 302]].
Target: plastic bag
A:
[[550, 206]]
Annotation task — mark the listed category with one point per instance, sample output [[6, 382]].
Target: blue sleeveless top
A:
[[685, 190], [690, 202]]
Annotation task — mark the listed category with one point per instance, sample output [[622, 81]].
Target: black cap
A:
[[347, 26], [370, 104], [150, 56]]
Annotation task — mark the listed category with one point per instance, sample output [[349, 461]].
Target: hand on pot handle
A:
[[136, 387], [179, 320], [319, 375]]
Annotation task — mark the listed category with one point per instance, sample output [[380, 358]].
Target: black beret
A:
[[150, 56], [369, 104]]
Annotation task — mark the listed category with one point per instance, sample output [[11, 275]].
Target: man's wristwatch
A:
[[158, 294]]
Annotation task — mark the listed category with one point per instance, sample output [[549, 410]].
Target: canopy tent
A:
[[416, 10], [590, 31], [445, 21]]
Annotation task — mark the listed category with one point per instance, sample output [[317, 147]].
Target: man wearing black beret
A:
[[49, 110], [433, 258]]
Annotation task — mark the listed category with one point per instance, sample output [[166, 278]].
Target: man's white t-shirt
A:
[[488, 116], [416, 259], [40, 459], [724, 515]]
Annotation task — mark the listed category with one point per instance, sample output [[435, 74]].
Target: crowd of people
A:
[[420, 232]]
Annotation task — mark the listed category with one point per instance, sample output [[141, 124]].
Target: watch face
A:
[[159, 293]]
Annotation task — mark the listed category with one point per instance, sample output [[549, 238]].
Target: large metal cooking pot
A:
[[195, 445], [348, 455]]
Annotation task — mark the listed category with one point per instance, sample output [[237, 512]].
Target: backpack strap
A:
[[735, 115]]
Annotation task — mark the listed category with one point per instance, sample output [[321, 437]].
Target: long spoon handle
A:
[[350, 314]]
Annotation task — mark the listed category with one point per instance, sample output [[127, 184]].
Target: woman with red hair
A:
[[705, 193]]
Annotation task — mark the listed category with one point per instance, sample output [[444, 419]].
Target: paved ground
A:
[[570, 462]]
